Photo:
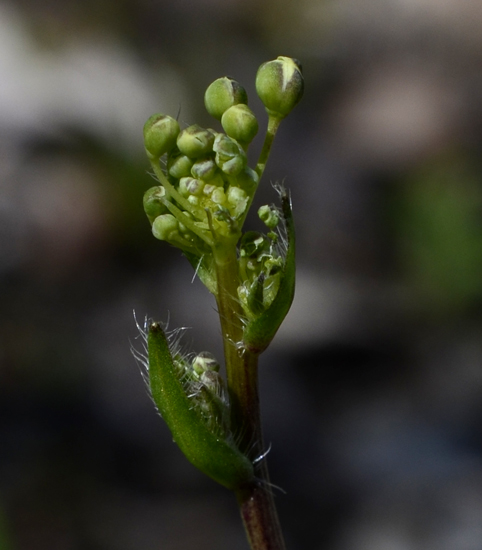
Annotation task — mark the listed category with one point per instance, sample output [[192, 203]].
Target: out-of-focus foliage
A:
[[439, 230]]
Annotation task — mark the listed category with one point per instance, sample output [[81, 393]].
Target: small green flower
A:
[[160, 134], [222, 94], [280, 85]]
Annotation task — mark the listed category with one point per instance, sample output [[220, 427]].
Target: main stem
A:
[[255, 501]]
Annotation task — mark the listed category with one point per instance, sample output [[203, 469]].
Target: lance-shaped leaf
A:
[[209, 449], [259, 332]]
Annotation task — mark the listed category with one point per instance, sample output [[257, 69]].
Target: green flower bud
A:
[[204, 169], [248, 180], [203, 362], [240, 123], [222, 94], [153, 205], [195, 141], [165, 227], [218, 196], [179, 166], [280, 85], [190, 186], [237, 201], [230, 156], [269, 216], [160, 134]]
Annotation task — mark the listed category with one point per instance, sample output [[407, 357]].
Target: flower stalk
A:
[[200, 205]]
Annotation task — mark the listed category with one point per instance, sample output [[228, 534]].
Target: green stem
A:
[[273, 125], [256, 502]]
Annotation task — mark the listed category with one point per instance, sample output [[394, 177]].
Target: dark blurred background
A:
[[372, 391]]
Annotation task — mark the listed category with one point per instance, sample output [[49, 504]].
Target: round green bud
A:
[[153, 205], [204, 169], [160, 134], [222, 94], [240, 123], [164, 226], [280, 85], [269, 216], [195, 141], [179, 166]]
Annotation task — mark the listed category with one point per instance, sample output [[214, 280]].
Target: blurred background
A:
[[372, 391]]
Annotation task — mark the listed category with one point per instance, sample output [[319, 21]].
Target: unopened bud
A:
[[179, 166], [218, 196], [194, 186], [153, 205], [280, 85], [222, 94], [230, 156], [195, 141], [247, 179], [204, 169], [160, 134], [237, 201], [164, 227], [203, 362], [240, 123], [269, 216]]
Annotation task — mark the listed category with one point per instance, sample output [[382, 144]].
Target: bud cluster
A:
[[207, 185]]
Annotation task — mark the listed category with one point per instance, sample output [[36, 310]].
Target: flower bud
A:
[[153, 206], [222, 94], [218, 196], [280, 85], [240, 123], [230, 156], [195, 141], [269, 216], [237, 201], [164, 227], [160, 133], [203, 362], [179, 166], [194, 186], [204, 169], [248, 180]]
